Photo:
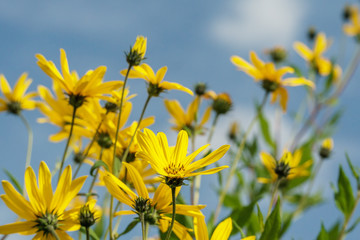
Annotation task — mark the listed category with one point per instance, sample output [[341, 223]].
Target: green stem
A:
[[53, 232], [213, 128], [87, 233], [90, 145], [118, 220], [30, 143], [173, 189], [143, 226], [237, 158], [137, 127], [347, 219], [273, 196], [119, 116], [67, 143], [94, 178], [111, 216]]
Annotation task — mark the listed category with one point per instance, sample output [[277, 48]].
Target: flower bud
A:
[[326, 148], [222, 103]]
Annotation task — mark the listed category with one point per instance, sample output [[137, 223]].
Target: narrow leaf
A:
[[97, 165], [13, 180], [272, 224]]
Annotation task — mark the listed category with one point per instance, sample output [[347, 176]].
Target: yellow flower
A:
[[154, 209], [45, 209], [221, 232], [326, 148], [172, 162], [353, 27], [155, 81], [286, 168], [314, 57], [137, 52], [187, 120], [16, 100], [90, 85], [270, 77]]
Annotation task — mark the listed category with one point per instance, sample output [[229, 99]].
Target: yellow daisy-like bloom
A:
[[353, 27], [172, 162], [137, 52], [286, 168], [185, 120], [270, 77], [326, 148], [221, 232], [16, 100], [154, 209], [90, 85], [45, 210], [155, 81], [314, 57]]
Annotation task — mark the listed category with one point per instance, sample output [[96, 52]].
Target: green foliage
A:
[[13, 180], [97, 165], [265, 130], [272, 224], [344, 197]]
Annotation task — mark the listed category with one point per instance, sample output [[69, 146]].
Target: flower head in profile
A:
[[153, 209], [353, 27], [270, 77], [45, 210], [326, 148], [78, 89], [155, 81], [17, 99], [137, 53], [315, 57], [222, 102], [172, 162], [221, 232], [186, 120], [288, 167]]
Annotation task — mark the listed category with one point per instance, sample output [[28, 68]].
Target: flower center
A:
[[174, 170], [47, 223], [14, 107], [282, 169], [269, 86]]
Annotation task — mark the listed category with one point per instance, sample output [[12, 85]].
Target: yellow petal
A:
[[200, 229], [320, 44], [174, 86], [45, 183], [297, 82], [303, 51], [181, 146], [223, 230], [137, 180], [160, 74], [124, 212], [18, 227]]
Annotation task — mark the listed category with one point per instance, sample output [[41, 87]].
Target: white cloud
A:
[[258, 22]]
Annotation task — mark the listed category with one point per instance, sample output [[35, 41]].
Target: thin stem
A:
[[67, 143], [118, 220], [30, 140], [90, 145], [87, 233], [137, 127], [173, 213], [273, 196], [237, 158], [347, 219], [213, 128], [53, 232], [111, 216], [94, 178], [119, 116], [143, 226]]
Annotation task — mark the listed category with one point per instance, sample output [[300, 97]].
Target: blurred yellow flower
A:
[[90, 85], [286, 168], [155, 81], [270, 77], [353, 27], [314, 57], [326, 148], [186, 120], [172, 162], [17, 99], [45, 210]]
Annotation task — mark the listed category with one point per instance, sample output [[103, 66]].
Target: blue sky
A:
[[195, 40]]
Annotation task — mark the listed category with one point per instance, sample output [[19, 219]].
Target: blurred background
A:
[[195, 40]]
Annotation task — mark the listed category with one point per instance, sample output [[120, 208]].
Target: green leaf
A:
[[272, 224], [92, 233], [264, 126], [323, 234], [344, 197], [232, 201], [13, 180], [260, 217], [353, 170], [128, 228], [241, 214], [99, 227], [353, 226], [97, 165], [286, 223]]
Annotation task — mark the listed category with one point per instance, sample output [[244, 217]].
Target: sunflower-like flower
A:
[[315, 57], [153, 210], [221, 232], [288, 167], [78, 89], [17, 99], [186, 120], [45, 212], [353, 27], [155, 81], [172, 162], [270, 77]]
